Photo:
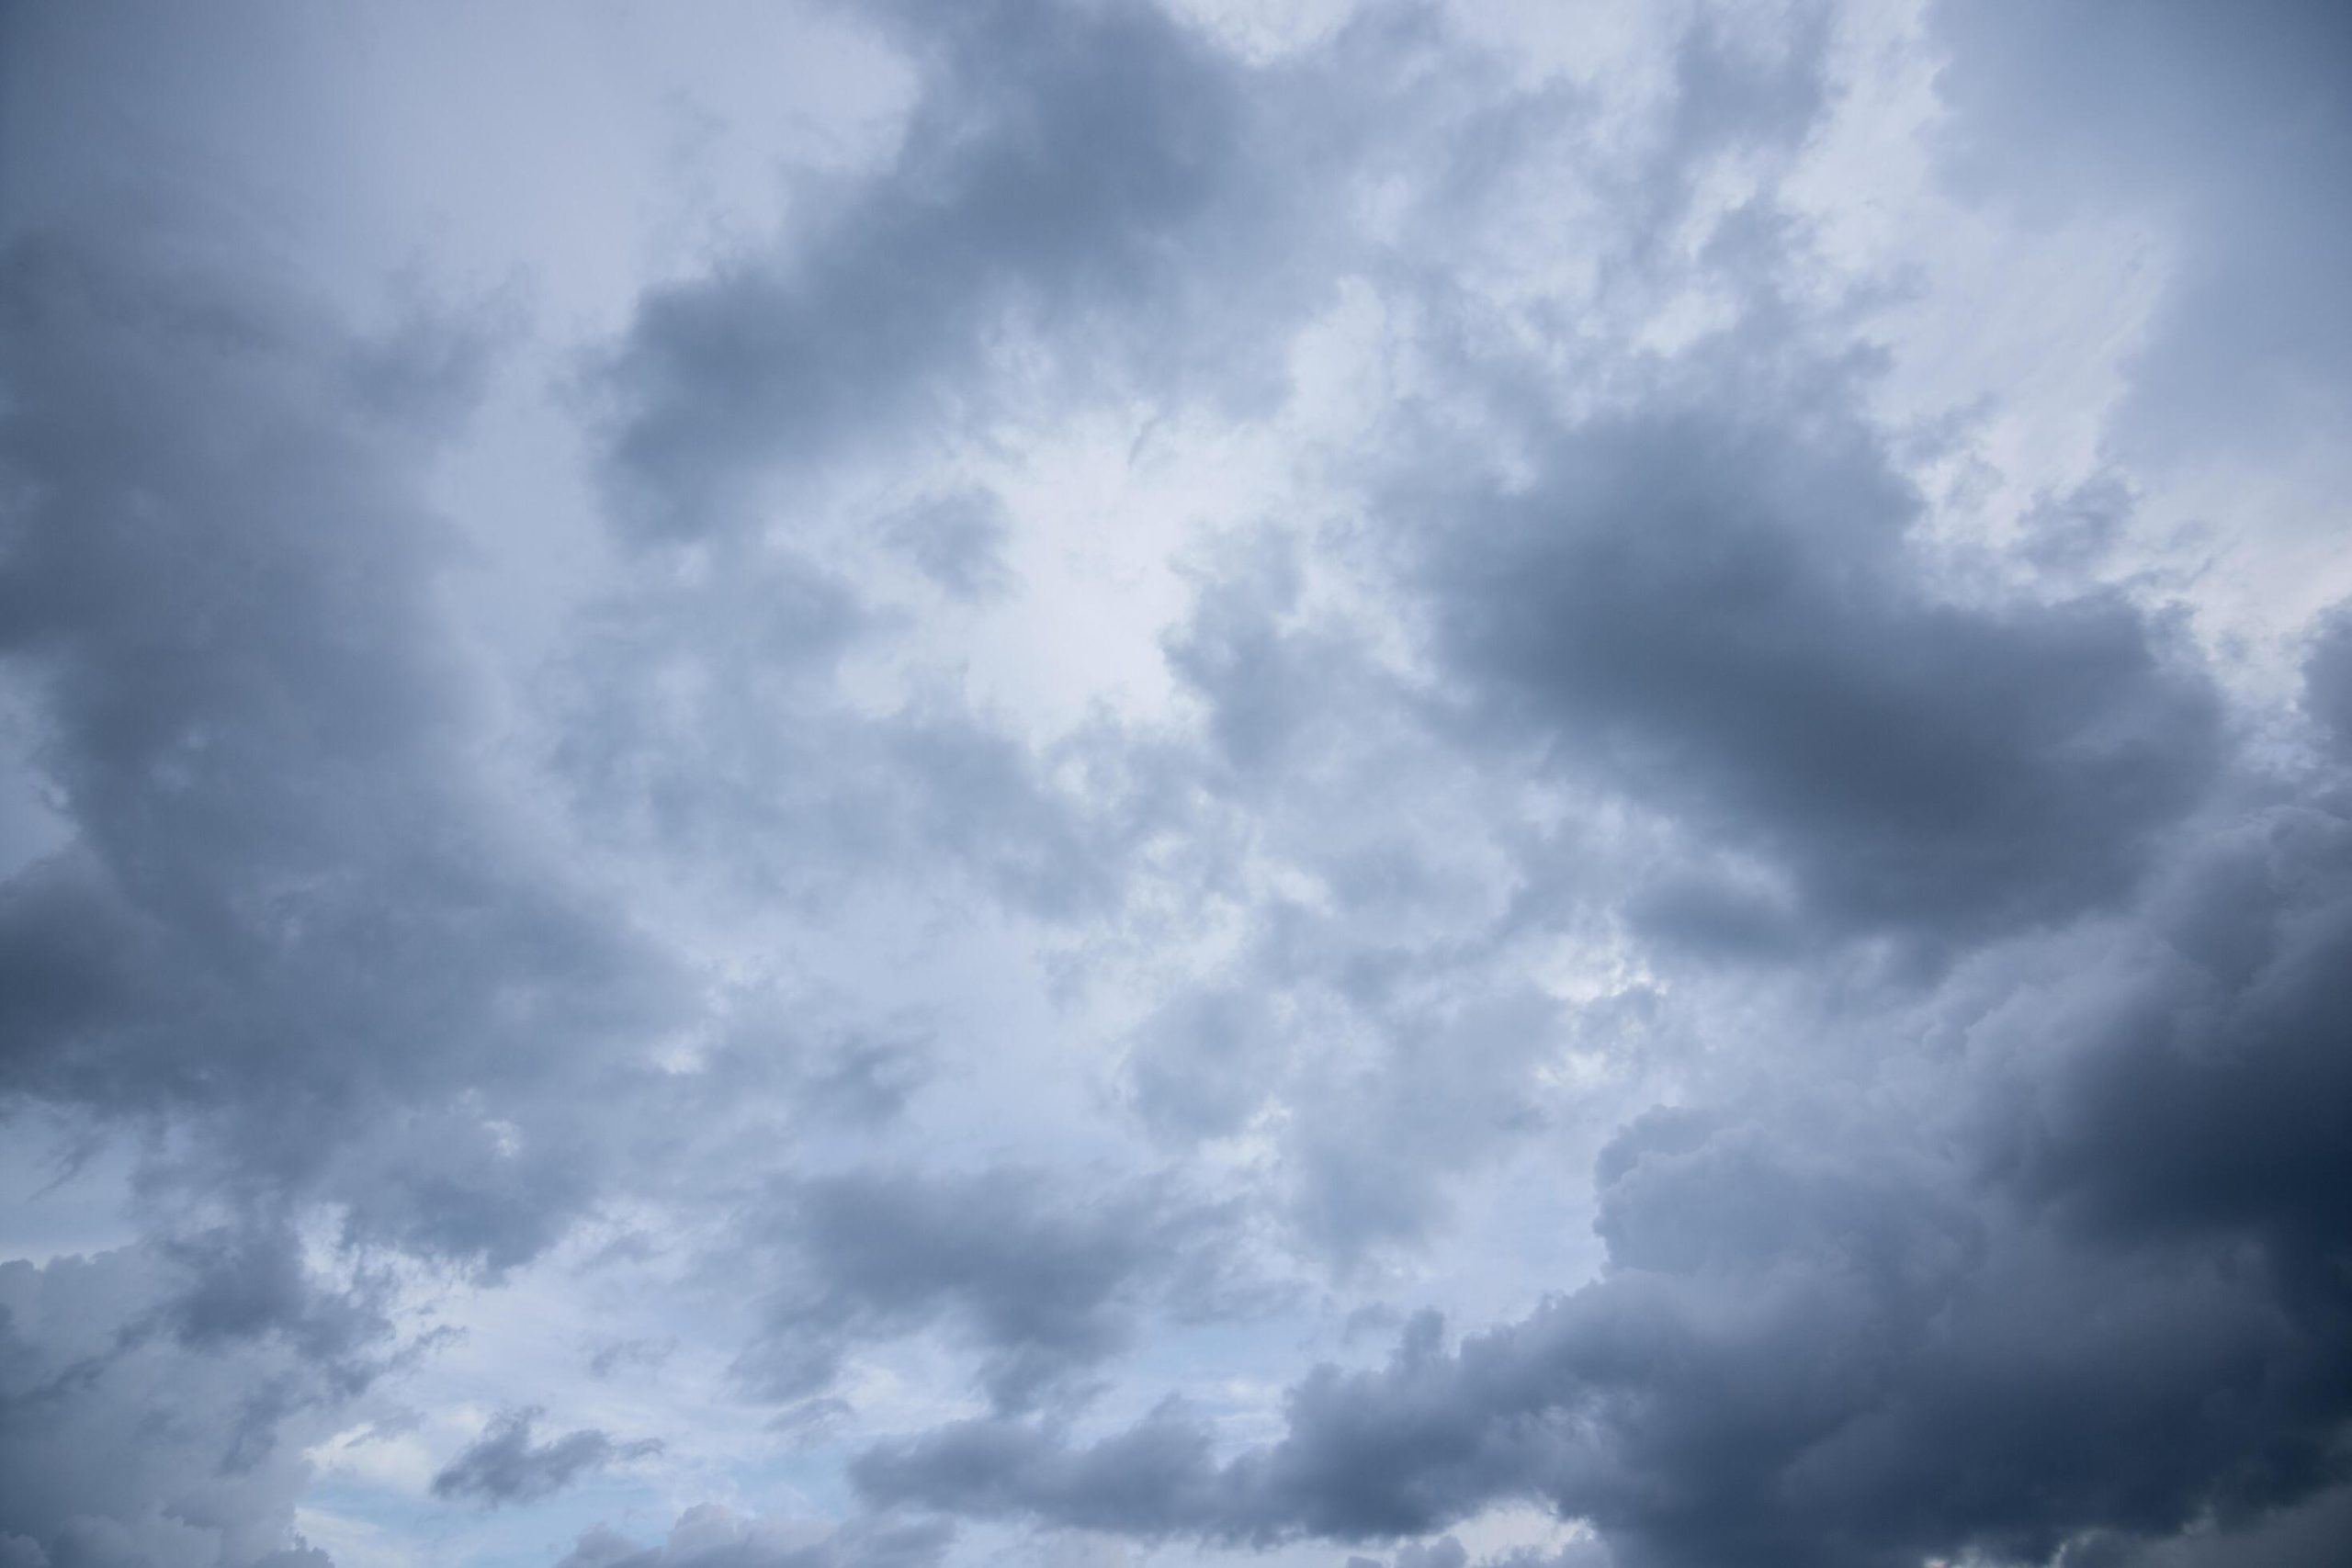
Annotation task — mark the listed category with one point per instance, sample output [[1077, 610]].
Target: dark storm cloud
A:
[[1708, 600], [2090, 1287], [1718, 614], [2053, 1265], [2232, 119], [505, 1466], [285, 914], [2095, 1285], [1046, 1280]]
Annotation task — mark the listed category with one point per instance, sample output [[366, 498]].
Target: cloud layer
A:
[[891, 787]]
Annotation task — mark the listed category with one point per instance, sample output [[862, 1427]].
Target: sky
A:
[[1168, 783]]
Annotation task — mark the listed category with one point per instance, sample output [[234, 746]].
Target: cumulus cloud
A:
[[2090, 1287], [1720, 614]]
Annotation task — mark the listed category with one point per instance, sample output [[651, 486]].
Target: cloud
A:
[[145, 1423], [2235, 124], [503, 1465], [538, 856], [2085, 1282], [707, 724], [286, 919], [1719, 615], [956, 540], [289, 950], [1047, 1277], [1088, 166], [2327, 676], [710, 1536]]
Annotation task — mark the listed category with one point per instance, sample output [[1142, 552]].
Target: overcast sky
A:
[[1086, 784]]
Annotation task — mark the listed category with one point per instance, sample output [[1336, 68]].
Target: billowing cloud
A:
[[894, 788], [1720, 615], [2097, 1291]]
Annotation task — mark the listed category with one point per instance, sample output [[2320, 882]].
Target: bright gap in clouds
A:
[[1056, 781]]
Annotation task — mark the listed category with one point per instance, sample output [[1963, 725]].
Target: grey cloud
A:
[[1794, 729], [505, 1466], [704, 722], [2091, 1285], [2312, 1532], [1454, 1090], [1998, 1214], [290, 953], [2327, 676], [1397, 999], [1047, 1276], [1279, 697], [1092, 199], [1694, 616], [956, 540], [1720, 615], [1143, 201], [122, 1446], [1077, 162], [1205, 1062], [285, 915], [1445, 1552], [1587, 1553], [2194, 1110], [2232, 119], [712, 1537], [1158, 1478], [249, 1283], [609, 1359]]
